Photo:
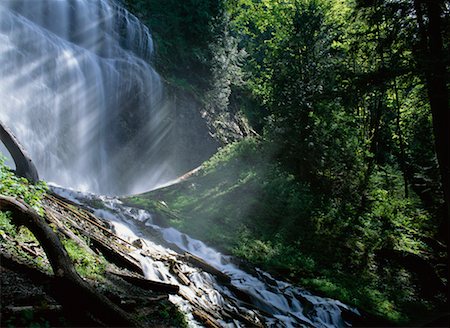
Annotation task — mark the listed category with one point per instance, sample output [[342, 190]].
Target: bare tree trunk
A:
[[432, 60], [75, 294], [24, 166], [438, 93], [402, 155]]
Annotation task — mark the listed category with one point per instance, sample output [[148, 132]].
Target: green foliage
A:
[[6, 225], [164, 314], [11, 185], [87, 265], [184, 31], [256, 210], [345, 166], [11, 235], [399, 223]]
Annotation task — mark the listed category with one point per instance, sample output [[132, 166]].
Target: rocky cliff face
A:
[[193, 142], [199, 128]]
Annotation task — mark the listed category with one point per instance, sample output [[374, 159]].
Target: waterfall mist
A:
[[78, 91]]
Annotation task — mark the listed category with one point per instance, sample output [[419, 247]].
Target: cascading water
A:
[[272, 302], [77, 90]]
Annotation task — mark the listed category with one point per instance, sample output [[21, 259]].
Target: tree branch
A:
[[73, 291], [24, 166]]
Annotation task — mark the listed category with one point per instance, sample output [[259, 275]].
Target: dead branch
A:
[[149, 284], [198, 262], [24, 165], [74, 292]]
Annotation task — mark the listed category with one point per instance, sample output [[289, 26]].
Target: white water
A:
[[77, 90], [274, 302]]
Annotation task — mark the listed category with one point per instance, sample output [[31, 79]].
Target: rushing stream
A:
[[273, 302]]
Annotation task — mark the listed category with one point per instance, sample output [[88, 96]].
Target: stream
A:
[[257, 295], [80, 92]]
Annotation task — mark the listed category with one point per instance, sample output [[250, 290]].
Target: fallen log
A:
[[88, 217], [67, 232], [148, 284], [113, 255], [198, 262], [74, 292], [119, 257], [175, 269], [54, 197], [27, 308], [213, 312], [24, 165], [206, 319]]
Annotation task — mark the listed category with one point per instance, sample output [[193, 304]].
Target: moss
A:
[[87, 265], [11, 236], [163, 314], [11, 185]]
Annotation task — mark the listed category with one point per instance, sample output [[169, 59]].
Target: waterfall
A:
[[79, 92]]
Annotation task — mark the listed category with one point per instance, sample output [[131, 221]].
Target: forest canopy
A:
[[347, 173]]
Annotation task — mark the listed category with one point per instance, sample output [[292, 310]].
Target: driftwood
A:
[[24, 165], [149, 284], [40, 309], [175, 269], [68, 233], [111, 254], [206, 319], [74, 292], [84, 213], [198, 262], [103, 245]]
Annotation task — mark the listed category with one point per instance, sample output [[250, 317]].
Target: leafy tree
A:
[[345, 95], [184, 31]]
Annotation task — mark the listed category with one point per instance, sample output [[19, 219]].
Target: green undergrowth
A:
[[246, 204], [12, 185], [11, 236], [88, 265]]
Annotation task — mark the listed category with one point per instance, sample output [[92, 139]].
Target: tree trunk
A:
[[24, 166], [432, 60], [438, 93], [74, 293]]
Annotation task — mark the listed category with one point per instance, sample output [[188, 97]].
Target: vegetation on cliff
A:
[[244, 204]]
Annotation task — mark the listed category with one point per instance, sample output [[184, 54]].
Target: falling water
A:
[[77, 90]]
